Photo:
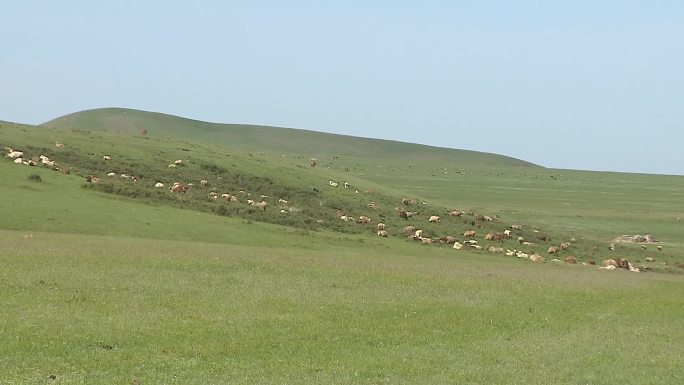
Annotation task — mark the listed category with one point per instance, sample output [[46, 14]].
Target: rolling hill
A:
[[265, 138]]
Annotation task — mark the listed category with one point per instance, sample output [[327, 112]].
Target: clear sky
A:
[[593, 85]]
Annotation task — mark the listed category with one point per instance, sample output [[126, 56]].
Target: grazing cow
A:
[[564, 246], [543, 237], [522, 255], [570, 259], [434, 218], [623, 263], [403, 214], [479, 217], [312, 162], [449, 240], [179, 187], [660, 248], [552, 250], [213, 195], [495, 237], [409, 201], [346, 185], [59, 145], [383, 233], [262, 205], [611, 247], [107, 157], [19, 160], [92, 179], [516, 227], [650, 259], [609, 262], [381, 226], [507, 233], [644, 247], [494, 249], [456, 213], [178, 162], [111, 174], [159, 184], [204, 183], [143, 132], [15, 154], [283, 201], [469, 233], [251, 202], [372, 205], [537, 258], [521, 240], [363, 220], [409, 229]]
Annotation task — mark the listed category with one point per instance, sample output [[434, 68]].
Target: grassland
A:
[[132, 287]]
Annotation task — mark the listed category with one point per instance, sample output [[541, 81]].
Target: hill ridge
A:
[[256, 136]]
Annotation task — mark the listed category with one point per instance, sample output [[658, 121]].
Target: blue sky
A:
[[570, 84]]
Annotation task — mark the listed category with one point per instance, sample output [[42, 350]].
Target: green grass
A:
[[123, 283], [93, 309]]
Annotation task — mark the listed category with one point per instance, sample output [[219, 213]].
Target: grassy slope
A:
[[145, 293], [322, 146]]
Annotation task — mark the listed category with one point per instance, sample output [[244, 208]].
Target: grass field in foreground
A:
[[94, 309]]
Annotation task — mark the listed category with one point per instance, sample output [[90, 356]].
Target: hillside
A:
[[588, 209], [274, 139]]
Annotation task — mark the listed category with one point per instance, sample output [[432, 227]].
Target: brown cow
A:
[[622, 263], [409, 229], [609, 262], [469, 233], [570, 259], [449, 240], [179, 187], [552, 250]]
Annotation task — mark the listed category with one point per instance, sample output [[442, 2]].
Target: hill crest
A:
[[270, 138]]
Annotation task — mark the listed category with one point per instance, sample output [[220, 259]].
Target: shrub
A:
[[35, 178]]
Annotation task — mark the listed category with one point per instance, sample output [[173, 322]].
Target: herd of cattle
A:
[[523, 248]]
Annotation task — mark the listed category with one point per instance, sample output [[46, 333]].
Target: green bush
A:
[[35, 178]]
